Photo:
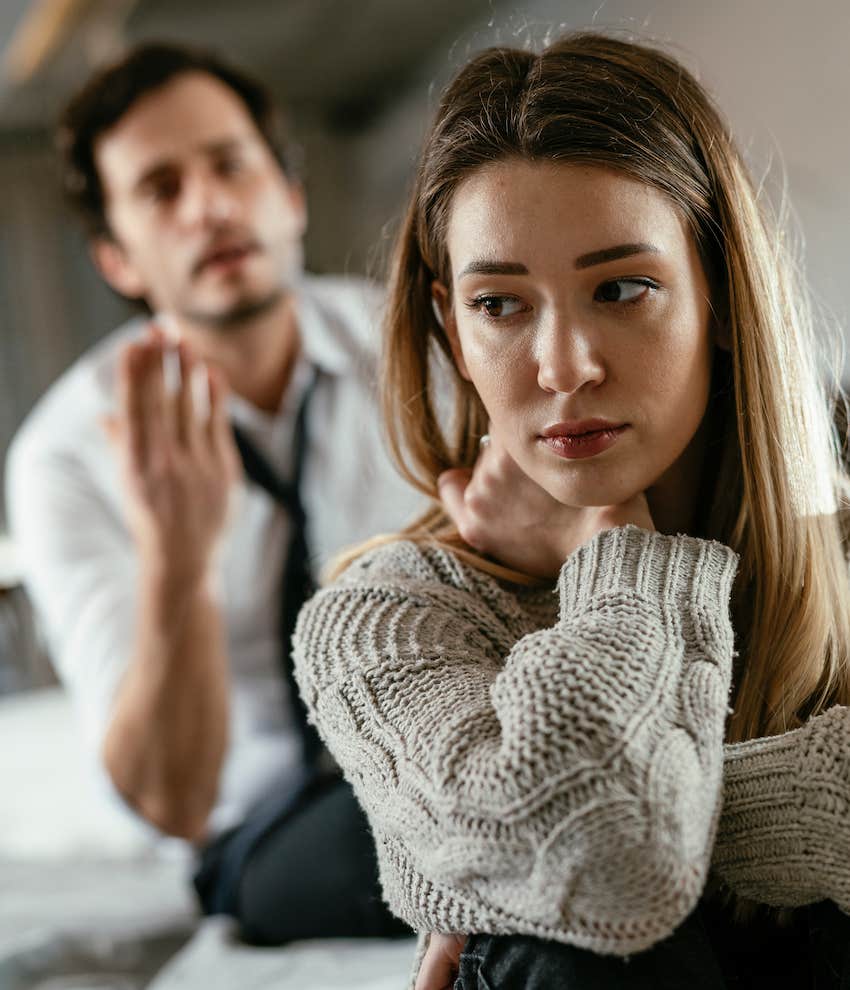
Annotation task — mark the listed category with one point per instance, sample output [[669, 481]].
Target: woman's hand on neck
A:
[[503, 513]]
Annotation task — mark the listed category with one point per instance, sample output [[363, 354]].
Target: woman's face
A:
[[580, 312]]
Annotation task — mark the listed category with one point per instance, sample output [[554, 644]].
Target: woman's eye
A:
[[497, 306], [623, 290]]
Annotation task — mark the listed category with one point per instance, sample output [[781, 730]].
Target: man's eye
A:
[[623, 290], [163, 192], [497, 306], [229, 166]]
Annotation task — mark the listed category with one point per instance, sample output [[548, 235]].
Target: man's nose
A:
[[568, 358], [207, 199]]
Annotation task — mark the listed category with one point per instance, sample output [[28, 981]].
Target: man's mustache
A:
[[222, 245]]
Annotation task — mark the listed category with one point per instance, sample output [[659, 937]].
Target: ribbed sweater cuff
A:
[[786, 801], [674, 570], [804, 770], [763, 825], [761, 774]]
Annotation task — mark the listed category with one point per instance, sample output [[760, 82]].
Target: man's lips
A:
[[224, 255]]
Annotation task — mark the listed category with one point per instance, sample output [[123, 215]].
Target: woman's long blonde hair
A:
[[776, 477]]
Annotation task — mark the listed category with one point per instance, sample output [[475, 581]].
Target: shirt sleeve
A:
[[784, 834], [79, 569], [565, 784]]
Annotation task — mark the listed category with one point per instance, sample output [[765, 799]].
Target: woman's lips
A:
[[586, 441]]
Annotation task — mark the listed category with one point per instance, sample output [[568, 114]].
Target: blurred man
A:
[[173, 492]]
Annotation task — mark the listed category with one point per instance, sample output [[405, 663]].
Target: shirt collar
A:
[[324, 341], [257, 420]]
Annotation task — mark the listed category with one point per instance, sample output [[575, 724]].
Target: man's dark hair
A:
[[112, 91]]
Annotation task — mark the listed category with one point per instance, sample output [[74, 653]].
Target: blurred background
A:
[[359, 81]]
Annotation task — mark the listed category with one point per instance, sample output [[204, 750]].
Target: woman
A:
[[529, 688]]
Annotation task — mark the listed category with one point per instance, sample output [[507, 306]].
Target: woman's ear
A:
[[444, 315]]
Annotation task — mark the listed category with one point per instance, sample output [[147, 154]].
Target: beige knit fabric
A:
[[784, 835], [552, 764]]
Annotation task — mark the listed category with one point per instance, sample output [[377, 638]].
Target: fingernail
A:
[[168, 323], [199, 384], [171, 373]]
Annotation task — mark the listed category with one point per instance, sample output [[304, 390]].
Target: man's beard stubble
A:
[[242, 313]]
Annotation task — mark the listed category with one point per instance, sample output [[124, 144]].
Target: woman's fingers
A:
[[452, 487], [467, 505], [470, 495], [440, 962]]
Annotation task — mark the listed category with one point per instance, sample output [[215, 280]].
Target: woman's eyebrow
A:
[[613, 253], [487, 266], [484, 266]]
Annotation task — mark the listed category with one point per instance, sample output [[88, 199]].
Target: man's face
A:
[[205, 225]]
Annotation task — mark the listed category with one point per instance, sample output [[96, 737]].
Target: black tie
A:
[[297, 582]]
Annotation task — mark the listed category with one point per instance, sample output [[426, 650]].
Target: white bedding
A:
[[215, 960], [89, 901]]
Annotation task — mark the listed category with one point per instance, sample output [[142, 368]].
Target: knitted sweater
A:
[[553, 765]]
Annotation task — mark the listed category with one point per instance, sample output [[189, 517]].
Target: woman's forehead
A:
[[533, 207]]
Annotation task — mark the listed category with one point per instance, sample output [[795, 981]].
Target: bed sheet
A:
[[91, 901]]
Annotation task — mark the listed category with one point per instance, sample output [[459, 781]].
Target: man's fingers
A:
[[150, 414], [157, 408], [218, 424], [131, 402], [187, 422], [111, 426], [217, 389]]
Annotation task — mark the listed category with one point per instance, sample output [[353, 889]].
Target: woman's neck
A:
[[674, 500]]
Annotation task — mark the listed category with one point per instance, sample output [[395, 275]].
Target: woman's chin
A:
[[589, 494]]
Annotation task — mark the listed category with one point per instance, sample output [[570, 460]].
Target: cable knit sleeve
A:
[[784, 834], [564, 782]]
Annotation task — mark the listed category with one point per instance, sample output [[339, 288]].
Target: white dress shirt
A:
[[67, 517]]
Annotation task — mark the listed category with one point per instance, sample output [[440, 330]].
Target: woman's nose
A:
[[568, 360]]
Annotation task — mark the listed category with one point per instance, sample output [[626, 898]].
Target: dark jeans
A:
[[707, 952], [303, 865]]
